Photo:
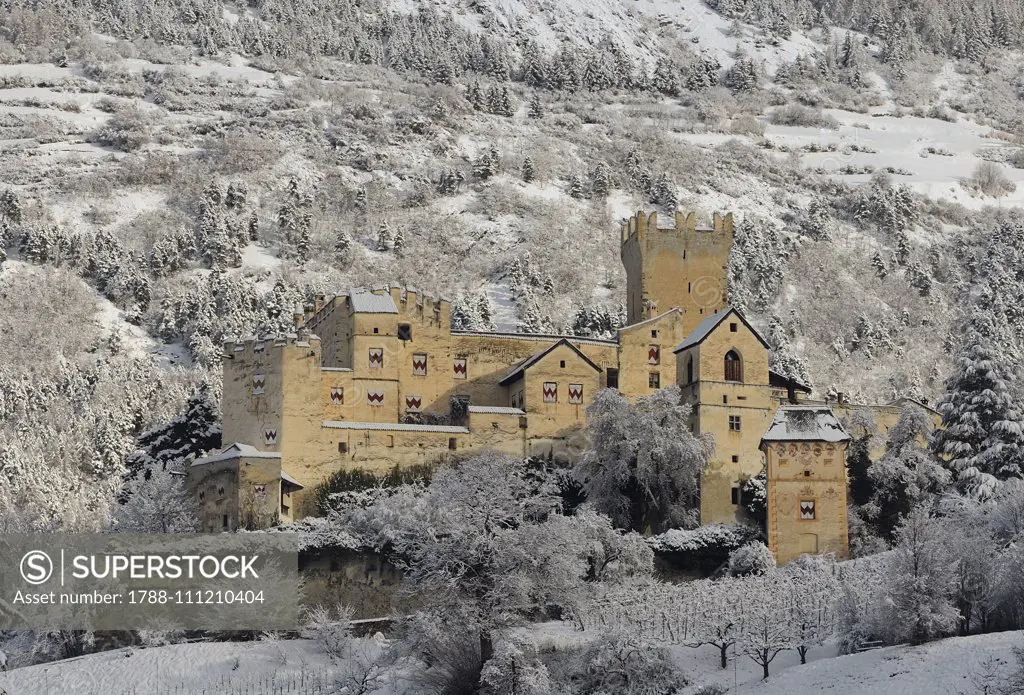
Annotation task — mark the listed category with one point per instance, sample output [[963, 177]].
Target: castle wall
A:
[[247, 491], [253, 390], [807, 472], [736, 455], [635, 362], [560, 418]]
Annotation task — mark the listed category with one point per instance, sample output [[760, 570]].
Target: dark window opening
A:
[[451, 443], [725, 399], [613, 378], [735, 459], [733, 366], [561, 363], [404, 331], [689, 371], [224, 522], [342, 447], [734, 423], [654, 380], [735, 495], [807, 474], [733, 327], [654, 334], [376, 330]]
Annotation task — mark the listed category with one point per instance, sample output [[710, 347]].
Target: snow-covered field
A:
[[955, 666]]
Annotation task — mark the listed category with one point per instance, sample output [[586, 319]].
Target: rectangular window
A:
[[224, 523], [375, 360], [550, 392], [807, 510], [725, 399], [734, 423], [404, 331], [451, 443], [735, 495], [419, 364], [654, 334], [735, 459], [654, 380], [391, 440], [613, 378], [561, 364], [733, 327], [576, 394], [342, 447]]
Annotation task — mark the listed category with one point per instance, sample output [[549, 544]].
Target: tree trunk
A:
[[764, 665], [803, 654], [722, 648], [486, 646]]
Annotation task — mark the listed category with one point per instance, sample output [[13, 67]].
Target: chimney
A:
[[299, 315], [841, 398]]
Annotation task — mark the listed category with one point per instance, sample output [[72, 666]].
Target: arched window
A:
[[689, 370], [733, 366]]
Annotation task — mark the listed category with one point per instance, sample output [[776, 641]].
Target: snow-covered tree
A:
[[643, 464], [754, 558], [157, 503], [529, 173]]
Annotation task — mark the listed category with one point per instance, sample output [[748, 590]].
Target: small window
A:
[[689, 287], [735, 495], [654, 334], [220, 491], [613, 378], [654, 380], [342, 447], [807, 511], [733, 327], [224, 521], [725, 399], [451, 443], [404, 331], [734, 423], [202, 494], [733, 366], [561, 363], [689, 371], [735, 458], [807, 473], [376, 330], [391, 441]]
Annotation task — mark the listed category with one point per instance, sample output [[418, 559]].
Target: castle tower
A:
[[681, 266]]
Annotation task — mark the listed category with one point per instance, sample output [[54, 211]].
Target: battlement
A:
[[252, 345], [640, 225]]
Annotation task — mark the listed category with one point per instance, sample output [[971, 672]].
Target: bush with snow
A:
[[752, 558]]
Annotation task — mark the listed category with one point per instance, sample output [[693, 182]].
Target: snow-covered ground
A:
[[948, 667]]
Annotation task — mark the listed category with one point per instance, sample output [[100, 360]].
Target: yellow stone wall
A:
[[807, 471], [681, 265], [241, 501], [558, 420], [715, 400], [635, 343]]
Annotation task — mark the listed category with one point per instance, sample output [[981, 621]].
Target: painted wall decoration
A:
[[653, 354], [258, 382], [376, 360], [459, 368], [419, 364], [550, 392], [807, 509], [413, 403], [259, 489], [270, 435], [375, 396], [576, 394], [337, 395]]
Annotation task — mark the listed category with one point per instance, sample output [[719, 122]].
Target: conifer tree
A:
[[528, 170], [384, 237], [982, 431], [576, 186], [536, 110], [399, 243], [600, 180]]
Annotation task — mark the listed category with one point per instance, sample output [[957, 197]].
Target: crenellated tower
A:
[[681, 266]]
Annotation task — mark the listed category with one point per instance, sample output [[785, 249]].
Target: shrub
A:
[[802, 116], [752, 558], [989, 179], [326, 495], [126, 130]]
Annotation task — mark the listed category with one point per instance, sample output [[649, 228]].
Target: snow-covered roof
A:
[[393, 427], [536, 357], [289, 479], [805, 423], [364, 302], [638, 324], [544, 337], [237, 450], [495, 410], [335, 369], [704, 328]]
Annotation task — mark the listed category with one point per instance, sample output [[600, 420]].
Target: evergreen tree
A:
[[878, 263], [342, 246], [982, 433], [666, 77], [528, 170], [536, 110], [576, 186], [399, 244], [193, 433], [384, 237], [600, 180]]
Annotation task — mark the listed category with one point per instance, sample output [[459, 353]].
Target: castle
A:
[[377, 378]]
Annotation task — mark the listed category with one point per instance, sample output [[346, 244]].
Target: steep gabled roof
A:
[[704, 328], [805, 423], [235, 451], [533, 359]]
